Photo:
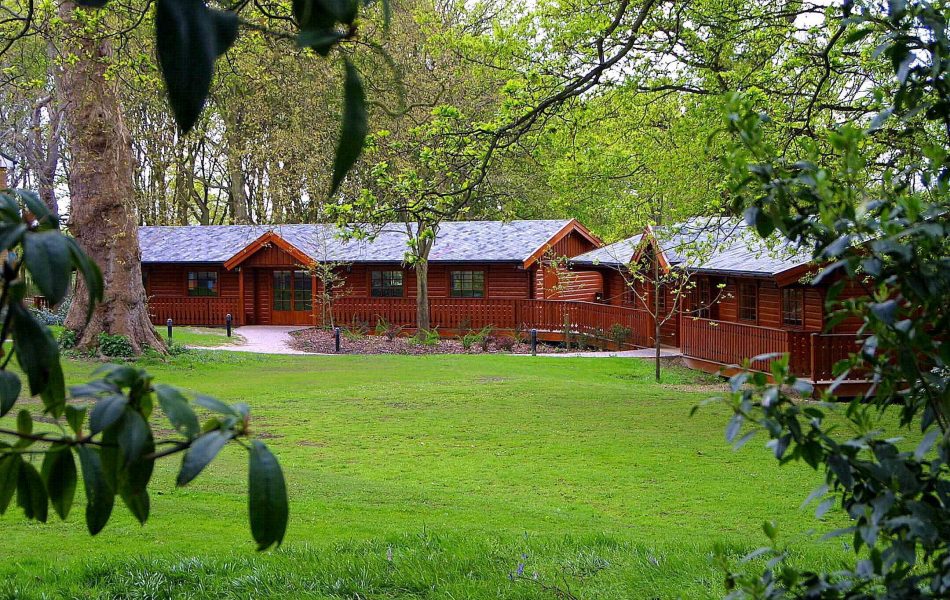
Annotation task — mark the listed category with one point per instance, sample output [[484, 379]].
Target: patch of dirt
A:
[[311, 443], [321, 341]]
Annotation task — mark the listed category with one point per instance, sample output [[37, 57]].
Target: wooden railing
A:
[[811, 354], [728, 343], [456, 314], [192, 310], [829, 348]]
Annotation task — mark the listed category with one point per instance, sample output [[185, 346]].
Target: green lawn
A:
[[456, 465], [205, 337], [201, 336]]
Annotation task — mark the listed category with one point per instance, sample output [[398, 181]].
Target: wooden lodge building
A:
[[726, 295], [743, 299]]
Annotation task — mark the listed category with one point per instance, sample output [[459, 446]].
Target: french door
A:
[[292, 297]]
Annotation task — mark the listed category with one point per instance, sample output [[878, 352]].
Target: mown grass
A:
[[430, 477], [205, 337]]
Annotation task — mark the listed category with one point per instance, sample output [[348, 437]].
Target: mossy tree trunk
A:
[[101, 191]]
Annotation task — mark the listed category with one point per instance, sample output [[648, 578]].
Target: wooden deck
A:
[[714, 346]]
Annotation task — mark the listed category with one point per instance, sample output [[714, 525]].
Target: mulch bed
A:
[[321, 341]]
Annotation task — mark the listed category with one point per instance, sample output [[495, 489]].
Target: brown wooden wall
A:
[[573, 244], [172, 279], [501, 280], [769, 306]]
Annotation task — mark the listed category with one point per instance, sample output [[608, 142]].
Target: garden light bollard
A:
[[169, 323], [336, 339], [534, 342], [227, 323]]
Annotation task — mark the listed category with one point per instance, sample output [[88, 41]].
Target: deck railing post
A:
[[227, 323], [534, 342], [169, 324]]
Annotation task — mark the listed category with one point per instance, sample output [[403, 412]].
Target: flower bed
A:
[[321, 341]]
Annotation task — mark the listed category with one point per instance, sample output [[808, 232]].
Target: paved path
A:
[[269, 339]]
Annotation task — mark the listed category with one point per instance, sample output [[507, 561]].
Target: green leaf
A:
[[9, 474], [38, 208], [9, 391], [59, 473], [38, 355], [24, 422], [10, 235], [76, 416], [99, 496], [189, 37], [31, 493], [354, 128], [132, 435], [320, 40], [106, 411], [267, 497], [202, 451], [133, 482], [47, 258], [215, 405], [92, 3], [179, 413]]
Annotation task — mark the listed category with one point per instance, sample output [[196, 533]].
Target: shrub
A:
[[352, 334], [57, 316], [385, 328], [67, 339], [482, 337], [506, 343], [428, 337], [619, 334], [487, 338], [115, 345]]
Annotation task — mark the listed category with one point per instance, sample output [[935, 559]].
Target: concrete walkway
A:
[[262, 339]]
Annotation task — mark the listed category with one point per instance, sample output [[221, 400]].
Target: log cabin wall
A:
[[573, 244], [502, 280]]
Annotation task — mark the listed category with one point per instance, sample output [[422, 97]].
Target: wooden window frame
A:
[[703, 308], [741, 307], [788, 315], [471, 291], [302, 298], [214, 289], [284, 304], [386, 286]]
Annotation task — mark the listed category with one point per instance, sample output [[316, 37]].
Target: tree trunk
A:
[[657, 290], [100, 188], [235, 150], [422, 294]]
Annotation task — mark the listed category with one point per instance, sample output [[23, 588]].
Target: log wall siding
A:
[[501, 280], [573, 244], [552, 283]]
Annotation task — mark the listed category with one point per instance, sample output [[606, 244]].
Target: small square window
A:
[[386, 284], [202, 283], [467, 284]]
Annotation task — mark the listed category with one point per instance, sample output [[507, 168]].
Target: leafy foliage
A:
[[890, 236], [115, 345], [105, 423], [190, 36]]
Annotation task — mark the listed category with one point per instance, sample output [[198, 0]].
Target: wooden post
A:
[[240, 310]]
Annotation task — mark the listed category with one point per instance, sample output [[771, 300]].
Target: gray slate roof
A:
[[714, 245], [457, 241], [618, 253]]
